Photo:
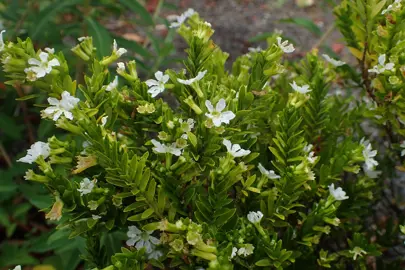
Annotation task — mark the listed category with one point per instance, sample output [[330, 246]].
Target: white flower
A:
[[369, 154], [301, 89], [157, 86], [162, 148], [104, 120], [402, 145], [338, 193], [95, 217], [381, 66], [36, 150], [269, 174], [308, 148], [39, 68], [217, 115], [118, 51], [50, 50], [80, 39], [394, 7], [2, 45], [235, 150], [59, 107], [18, 267], [112, 85], [187, 126], [120, 67], [234, 250], [86, 186], [284, 46], [141, 239], [255, 217], [246, 250], [155, 254], [334, 62], [311, 158], [182, 18], [199, 76], [371, 173], [257, 49], [357, 251]]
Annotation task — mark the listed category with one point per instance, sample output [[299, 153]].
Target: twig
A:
[[24, 109], [324, 37], [5, 156]]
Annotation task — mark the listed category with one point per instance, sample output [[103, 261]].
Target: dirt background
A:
[[236, 21]]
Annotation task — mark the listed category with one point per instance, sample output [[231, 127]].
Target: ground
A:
[[236, 21]]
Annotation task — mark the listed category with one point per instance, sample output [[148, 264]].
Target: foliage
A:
[[58, 24], [261, 166]]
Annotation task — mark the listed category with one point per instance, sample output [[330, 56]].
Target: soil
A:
[[236, 21]]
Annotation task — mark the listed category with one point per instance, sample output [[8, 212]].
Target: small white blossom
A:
[[308, 148], [120, 67], [369, 154], [118, 51], [162, 148], [334, 62], [255, 217], [257, 49], [50, 50], [86, 186], [112, 85], [141, 239], [382, 66], [18, 267], [2, 45], [36, 150], [338, 193], [246, 250], [104, 120], [269, 174], [217, 115], [394, 7], [59, 107], [39, 68], [371, 173], [234, 149], [301, 89], [80, 39], [155, 254], [187, 126], [182, 18], [402, 145], [199, 76], [95, 217], [284, 46], [311, 158], [357, 251], [234, 251], [157, 86]]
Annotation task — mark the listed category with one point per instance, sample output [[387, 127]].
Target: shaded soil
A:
[[236, 21]]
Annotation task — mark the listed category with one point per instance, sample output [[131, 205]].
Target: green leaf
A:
[[101, 37], [47, 14], [306, 23], [260, 37], [136, 7], [27, 97], [224, 216], [147, 213], [264, 262], [192, 138]]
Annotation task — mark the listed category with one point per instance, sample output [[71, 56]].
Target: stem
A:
[[324, 37], [5, 155], [25, 114]]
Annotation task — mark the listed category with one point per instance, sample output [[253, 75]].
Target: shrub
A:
[[261, 166]]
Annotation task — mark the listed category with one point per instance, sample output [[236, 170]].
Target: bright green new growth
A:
[[263, 166]]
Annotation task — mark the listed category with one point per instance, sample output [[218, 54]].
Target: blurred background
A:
[[141, 26]]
